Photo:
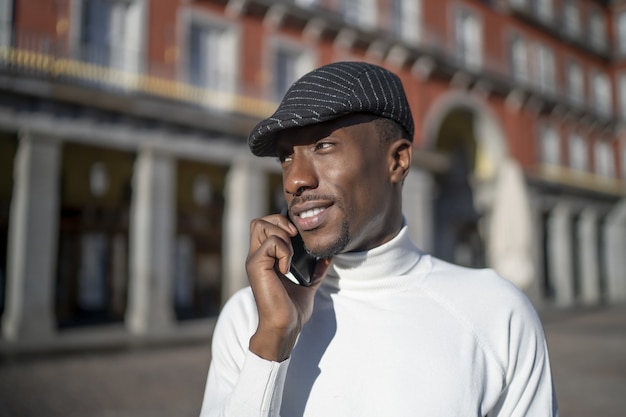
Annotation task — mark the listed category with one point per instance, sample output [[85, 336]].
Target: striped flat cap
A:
[[332, 91]]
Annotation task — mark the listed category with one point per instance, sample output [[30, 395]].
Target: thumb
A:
[[321, 267]]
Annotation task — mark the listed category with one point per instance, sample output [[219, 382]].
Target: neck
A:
[[385, 266]]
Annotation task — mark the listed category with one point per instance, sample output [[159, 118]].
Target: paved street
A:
[[588, 351], [142, 383], [588, 354]]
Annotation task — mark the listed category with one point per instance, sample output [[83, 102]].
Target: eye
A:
[[284, 157], [320, 146], [284, 154]]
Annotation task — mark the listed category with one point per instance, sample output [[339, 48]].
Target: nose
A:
[[299, 176]]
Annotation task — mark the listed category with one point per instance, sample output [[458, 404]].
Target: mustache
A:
[[312, 197]]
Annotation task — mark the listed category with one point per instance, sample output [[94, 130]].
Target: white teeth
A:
[[310, 213]]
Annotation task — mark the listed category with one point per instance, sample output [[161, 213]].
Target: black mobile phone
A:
[[302, 264]]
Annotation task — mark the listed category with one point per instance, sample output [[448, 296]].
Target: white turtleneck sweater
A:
[[394, 332]]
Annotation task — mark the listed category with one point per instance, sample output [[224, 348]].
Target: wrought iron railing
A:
[[107, 68], [100, 67]]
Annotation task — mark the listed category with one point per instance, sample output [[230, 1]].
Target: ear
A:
[[400, 152]]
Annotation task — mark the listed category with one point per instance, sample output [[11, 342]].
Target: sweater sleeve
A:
[[240, 383], [528, 388]]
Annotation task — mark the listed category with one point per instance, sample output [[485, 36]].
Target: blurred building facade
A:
[[126, 185]]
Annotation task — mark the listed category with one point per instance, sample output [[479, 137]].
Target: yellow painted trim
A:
[[581, 179], [64, 67]]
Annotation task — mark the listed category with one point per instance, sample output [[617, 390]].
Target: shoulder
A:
[[498, 313], [467, 287]]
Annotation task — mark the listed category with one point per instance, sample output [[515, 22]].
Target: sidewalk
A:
[[587, 350], [588, 356]]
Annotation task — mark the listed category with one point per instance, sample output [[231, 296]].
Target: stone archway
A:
[[489, 139], [464, 128]]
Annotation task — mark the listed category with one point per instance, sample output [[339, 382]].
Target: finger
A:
[[276, 225], [273, 252], [285, 223]]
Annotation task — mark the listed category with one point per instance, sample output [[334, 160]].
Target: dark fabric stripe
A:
[[332, 91]]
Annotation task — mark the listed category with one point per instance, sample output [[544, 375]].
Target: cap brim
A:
[[262, 141]]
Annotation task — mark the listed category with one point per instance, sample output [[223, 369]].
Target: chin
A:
[[334, 246]]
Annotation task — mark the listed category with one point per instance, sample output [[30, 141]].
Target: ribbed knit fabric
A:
[[332, 91]]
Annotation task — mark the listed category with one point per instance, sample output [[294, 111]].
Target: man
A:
[[385, 329]]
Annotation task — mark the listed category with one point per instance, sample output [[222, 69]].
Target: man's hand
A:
[[284, 307]]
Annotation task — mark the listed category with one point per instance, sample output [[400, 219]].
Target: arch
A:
[[464, 127], [491, 146], [481, 188]]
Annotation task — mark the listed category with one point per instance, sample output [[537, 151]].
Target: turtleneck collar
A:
[[383, 267]]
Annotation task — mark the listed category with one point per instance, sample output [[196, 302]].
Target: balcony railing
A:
[[104, 68], [120, 70]]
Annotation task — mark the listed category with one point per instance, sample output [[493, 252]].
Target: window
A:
[[519, 59], [604, 162], [406, 19], [622, 95], [571, 16], [360, 12], [624, 160], [6, 22], [468, 39], [544, 10], [601, 93], [211, 47], [575, 81], [550, 145], [545, 71], [577, 152], [204, 69], [307, 3], [111, 33], [520, 4], [285, 71], [620, 28], [289, 64], [597, 29]]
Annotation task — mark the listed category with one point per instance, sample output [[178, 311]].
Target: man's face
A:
[[336, 179]]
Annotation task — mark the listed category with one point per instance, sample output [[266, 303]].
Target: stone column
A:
[[560, 257], [535, 291], [615, 253], [150, 299], [588, 262], [245, 199], [33, 239], [417, 206]]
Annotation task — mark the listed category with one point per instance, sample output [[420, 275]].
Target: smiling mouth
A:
[[310, 213]]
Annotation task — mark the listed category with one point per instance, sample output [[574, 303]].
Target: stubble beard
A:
[[336, 247]]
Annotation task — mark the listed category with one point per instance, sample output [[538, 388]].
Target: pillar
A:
[[615, 254], [535, 291], [33, 237], [246, 192], [560, 258], [417, 206], [150, 298], [588, 259]]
